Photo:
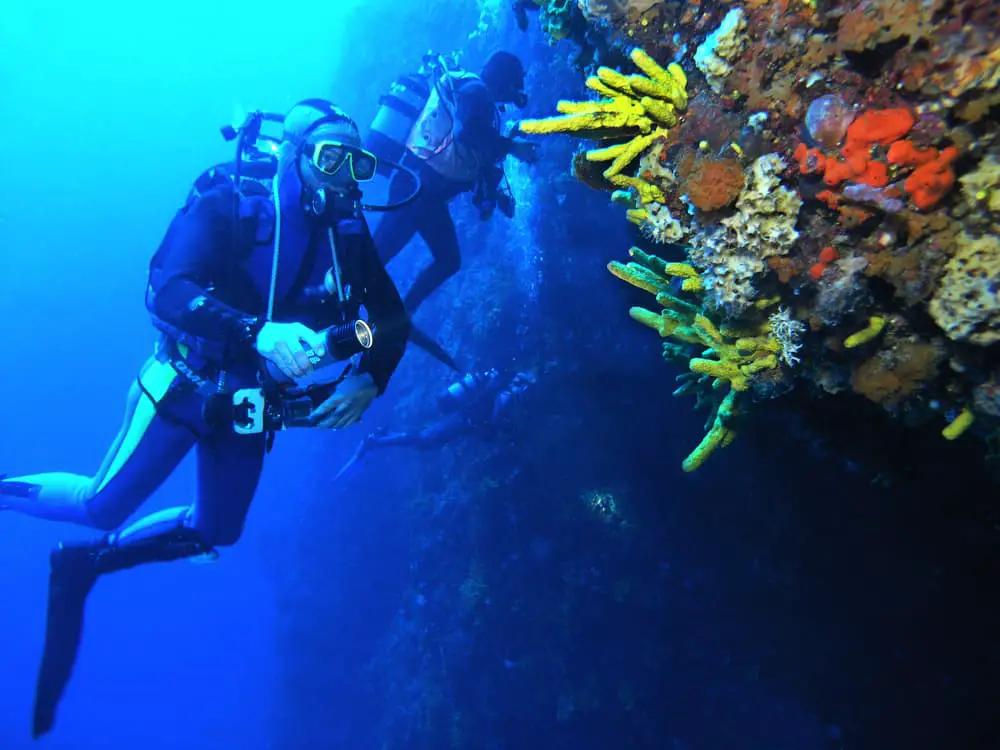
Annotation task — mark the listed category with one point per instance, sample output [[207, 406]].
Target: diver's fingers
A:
[[312, 339], [282, 357], [325, 408], [298, 354], [344, 417], [316, 342]]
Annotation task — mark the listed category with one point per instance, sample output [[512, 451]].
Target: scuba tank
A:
[[400, 108], [398, 111], [462, 391]]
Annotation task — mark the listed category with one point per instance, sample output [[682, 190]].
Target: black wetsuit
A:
[[476, 129], [480, 409], [475, 406], [209, 291], [196, 254]]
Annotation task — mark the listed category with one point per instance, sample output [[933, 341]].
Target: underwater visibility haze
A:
[[602, 373]]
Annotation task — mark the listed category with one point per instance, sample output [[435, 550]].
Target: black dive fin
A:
[[432, 347], [70, 581], [75, 569]]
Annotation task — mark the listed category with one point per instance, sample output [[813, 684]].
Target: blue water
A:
[[106, 116]]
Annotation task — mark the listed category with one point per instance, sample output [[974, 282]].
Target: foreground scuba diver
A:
[[445, 125], [258, 294], [476, 402]]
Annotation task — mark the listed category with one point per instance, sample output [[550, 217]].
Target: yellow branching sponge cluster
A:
[[636, 109], [634, 113], [731, 358]]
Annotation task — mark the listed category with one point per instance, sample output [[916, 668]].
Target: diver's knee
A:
[[102, 518], [225, 536]]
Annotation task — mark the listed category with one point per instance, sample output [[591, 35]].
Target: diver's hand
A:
[[525, 151], [285, 345], [347, 404]]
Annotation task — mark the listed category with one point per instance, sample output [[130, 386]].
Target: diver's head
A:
[[504, 75], [324, 144]]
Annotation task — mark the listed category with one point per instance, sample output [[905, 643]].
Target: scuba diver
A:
[[595, 46], [444, 124], [260, 166], [477, 401], [257, 291]]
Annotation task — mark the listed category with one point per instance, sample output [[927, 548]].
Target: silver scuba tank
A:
[[463, 390], [398, 111]]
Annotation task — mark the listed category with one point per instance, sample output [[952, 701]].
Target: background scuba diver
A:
[[445, 125], [228, 303], [476, 402]]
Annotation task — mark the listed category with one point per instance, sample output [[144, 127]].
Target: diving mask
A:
[[329, 157]]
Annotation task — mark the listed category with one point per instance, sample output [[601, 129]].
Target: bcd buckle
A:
[[249, 411]]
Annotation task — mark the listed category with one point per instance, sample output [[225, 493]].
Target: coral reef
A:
[[715, 56], [718, 357], [838, 162], [639, 107], [967, 303]]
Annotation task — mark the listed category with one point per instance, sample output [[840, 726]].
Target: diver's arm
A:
[[389, 319], [196, 250]]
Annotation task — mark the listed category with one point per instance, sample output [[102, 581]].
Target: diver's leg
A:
[[143, 460], [389, 439], [438, 230], [229, 468], [397, 227], [375, 440], [142, 456], [432, 436]]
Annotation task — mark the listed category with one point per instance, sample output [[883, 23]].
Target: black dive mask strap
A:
[[405, 200]]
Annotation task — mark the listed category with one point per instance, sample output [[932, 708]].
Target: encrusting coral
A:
[[825, 179]]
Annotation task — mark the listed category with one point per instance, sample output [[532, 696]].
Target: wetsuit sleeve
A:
[[388, 317], [475, 112], [195, 253]]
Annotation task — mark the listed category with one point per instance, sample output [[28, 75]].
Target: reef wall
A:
[[815, 189]]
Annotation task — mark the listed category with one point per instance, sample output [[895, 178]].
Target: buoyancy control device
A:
[[401, 107]]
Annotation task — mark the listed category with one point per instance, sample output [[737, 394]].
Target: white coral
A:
[[767, 211], [660, 226], [714, 56], [607, 10], [727, 274], [658, 171], [788, 333], [732, 255]]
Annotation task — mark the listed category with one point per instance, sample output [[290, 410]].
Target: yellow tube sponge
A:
[[719, 435], [735, 361], [729, 356], [636, 109], [959, 424], [875, 325]]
